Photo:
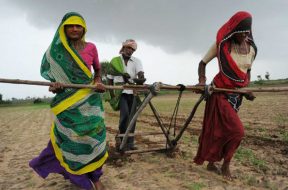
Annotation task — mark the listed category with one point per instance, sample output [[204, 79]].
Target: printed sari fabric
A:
[[78, 133]]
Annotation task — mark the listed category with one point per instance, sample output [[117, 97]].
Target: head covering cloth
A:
[[61, 53], [230, 76], [129, 43]]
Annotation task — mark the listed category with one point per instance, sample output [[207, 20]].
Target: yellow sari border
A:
[[80, 94], [89, 168]]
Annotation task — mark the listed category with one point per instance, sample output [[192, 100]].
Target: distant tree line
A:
[[260, 80], [27, 100], [104, 70]]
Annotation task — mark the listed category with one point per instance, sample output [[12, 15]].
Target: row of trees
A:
[[267, 76], [27, 100]]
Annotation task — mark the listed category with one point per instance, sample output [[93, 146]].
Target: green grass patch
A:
[[26, 106], [248, 127], [40, 106], [269, 185], [194, 139], [251, 180], [195, 186], [170, 174], [281, 119], [284, 135], [261, 129], [186, 139], [261, 83], [244, 155]]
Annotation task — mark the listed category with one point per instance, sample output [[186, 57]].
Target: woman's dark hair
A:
[[244, 25]]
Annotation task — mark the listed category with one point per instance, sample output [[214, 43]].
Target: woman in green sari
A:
[[77, 146]]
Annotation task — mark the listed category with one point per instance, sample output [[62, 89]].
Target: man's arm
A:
[[140, 75]]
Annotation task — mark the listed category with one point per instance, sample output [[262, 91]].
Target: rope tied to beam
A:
[[208, 90], [173, 120]]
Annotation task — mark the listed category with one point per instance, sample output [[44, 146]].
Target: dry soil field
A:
[[261, 161]]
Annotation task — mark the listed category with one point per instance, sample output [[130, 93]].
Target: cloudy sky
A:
[[172, 36]]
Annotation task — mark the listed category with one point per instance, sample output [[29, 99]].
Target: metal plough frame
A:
[[170, 141]]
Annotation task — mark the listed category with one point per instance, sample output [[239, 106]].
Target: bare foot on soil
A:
[[212, 168], [99, 185], [225, 169]]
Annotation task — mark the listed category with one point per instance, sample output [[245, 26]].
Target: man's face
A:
[[74, 32], [128, 51]]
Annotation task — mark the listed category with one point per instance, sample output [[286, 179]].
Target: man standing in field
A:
[[125, 69]]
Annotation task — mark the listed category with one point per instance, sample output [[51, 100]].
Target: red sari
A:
[[222, 130]]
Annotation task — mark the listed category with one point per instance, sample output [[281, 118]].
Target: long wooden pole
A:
[[42, 83], [146, 87]]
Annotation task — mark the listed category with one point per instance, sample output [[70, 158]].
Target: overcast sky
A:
[[172, 36]]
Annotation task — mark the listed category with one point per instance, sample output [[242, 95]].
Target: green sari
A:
[[78, 133]]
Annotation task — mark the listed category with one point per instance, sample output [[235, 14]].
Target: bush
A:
[[37, 101]]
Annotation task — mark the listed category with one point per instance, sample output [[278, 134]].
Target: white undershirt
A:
[[134, 66], [243, 61]]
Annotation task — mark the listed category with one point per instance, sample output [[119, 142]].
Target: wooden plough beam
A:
[[146, 87]]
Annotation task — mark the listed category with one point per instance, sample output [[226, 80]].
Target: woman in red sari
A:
[[222, 129]]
